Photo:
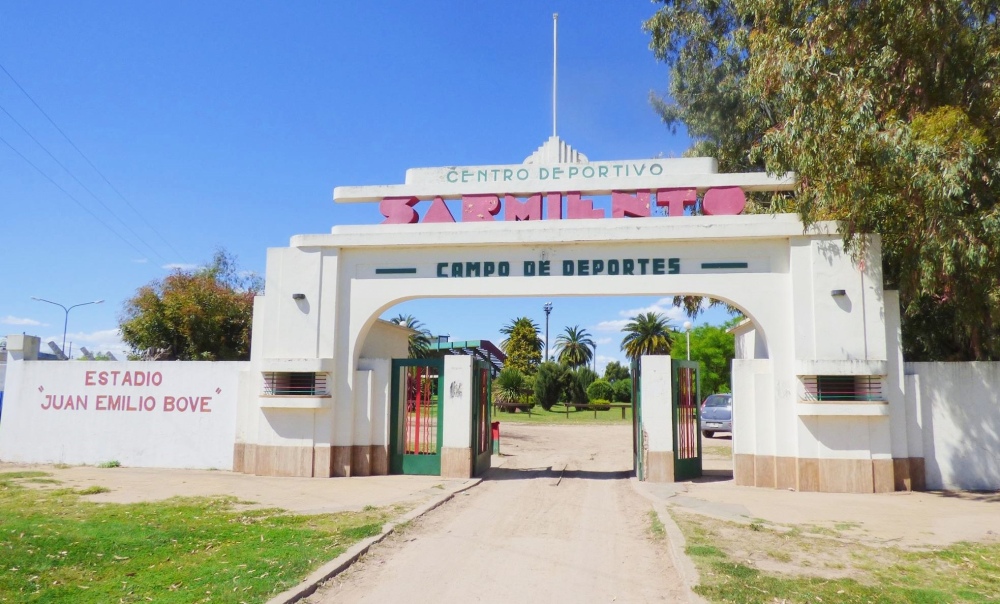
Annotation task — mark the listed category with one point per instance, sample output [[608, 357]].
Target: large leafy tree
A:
[[204, 314], [419, 342], [889, 112], [523, 345], [615, 371], [714, 348], [575, 347], [646, 333]]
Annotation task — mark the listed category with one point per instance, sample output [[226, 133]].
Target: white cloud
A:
[[179, 266], [10, 320], [602, 362], [663, 306], [614, 325], [602, 341]]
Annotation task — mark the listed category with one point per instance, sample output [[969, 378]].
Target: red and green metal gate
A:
[[416, 416], [482, 434], [687, 436]]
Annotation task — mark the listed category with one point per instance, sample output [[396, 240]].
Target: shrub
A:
[[575, 386], [600, 404], [586, 376], [510, 386], [548, 384], [600, 389], [622, 391]]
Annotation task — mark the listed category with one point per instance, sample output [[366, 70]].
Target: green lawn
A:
[[57, 547], [558, 415]]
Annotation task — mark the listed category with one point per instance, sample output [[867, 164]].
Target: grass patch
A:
[[5, 476], [761, 565], [717, 451], [42, 480], [93, 490], [114, 463], [558, 415], [57, 547], [656, 526]]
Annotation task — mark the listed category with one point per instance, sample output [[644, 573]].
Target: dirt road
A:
[[557, 522]]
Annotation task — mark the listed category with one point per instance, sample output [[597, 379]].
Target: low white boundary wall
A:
[[168, 414], [955, 407]]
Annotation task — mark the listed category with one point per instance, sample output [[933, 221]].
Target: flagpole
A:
[[555, 37]]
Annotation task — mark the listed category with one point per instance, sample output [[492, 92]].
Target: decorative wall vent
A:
[[295, 384], [843, 388]]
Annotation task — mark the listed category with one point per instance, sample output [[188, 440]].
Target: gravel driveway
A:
[[557, 522]]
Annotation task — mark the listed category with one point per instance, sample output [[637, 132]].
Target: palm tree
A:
[[420, 339], [647, 333], [575, 348]]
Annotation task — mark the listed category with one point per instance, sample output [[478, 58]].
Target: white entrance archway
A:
[[822, 313]]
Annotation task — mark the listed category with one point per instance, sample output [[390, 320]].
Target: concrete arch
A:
[[363, 332], [784, 277]]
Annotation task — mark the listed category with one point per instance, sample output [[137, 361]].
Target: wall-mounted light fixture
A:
[[838, 292], [298, 296]]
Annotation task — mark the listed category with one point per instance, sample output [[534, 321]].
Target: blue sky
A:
[[228, 124]]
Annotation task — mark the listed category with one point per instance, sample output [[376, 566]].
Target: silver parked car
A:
[[717, 414]]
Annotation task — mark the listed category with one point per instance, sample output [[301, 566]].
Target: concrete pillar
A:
[[456, 446]]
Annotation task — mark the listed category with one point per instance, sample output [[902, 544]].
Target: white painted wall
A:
[[748, 342], [380, 391], [39, 427], [751, 408], [364, 384], [386, 341], [959, 407]]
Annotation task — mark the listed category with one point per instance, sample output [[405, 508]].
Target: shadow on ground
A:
[[984, 496], [554, 473]]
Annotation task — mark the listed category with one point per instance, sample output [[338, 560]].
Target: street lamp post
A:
[[548, 309], [66, 318], [687, 328]]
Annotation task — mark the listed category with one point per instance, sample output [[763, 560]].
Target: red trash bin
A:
[[495, 426]]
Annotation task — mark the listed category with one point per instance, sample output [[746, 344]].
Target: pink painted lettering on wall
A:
[[624, 205], [100, 395], [724, 201], [529, 209], [122, 378], [719, 201], [675, 200]]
